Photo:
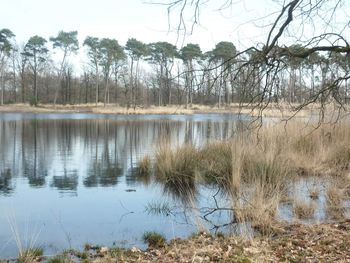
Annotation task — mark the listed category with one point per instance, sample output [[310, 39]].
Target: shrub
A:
[[154, 239]]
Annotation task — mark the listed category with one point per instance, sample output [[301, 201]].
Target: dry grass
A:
[[304, 210], [258, 208], [256, 170], [30, 255], [177, 171], [111, 109], [231, 165], [335, 196], [314, 194], [264, 173], [311, 151], [292, 243], [278, 110], [144, 170], [142, 110], [144, 166], [177, 163], [272, 110], [216, 164]]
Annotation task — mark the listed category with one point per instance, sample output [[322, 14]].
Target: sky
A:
[[123, 19]]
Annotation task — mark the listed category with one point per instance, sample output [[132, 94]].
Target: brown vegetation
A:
[[255, 169], [304, 210], [273, 110], [291, 243]]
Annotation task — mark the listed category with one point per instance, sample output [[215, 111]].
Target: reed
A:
[[255, 169], [30, 255], [177, 163], [335, 196], [304, 210]]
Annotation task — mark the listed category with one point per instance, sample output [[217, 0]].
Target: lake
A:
[[69, 179]]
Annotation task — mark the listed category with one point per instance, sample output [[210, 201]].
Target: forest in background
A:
[[144, 74]]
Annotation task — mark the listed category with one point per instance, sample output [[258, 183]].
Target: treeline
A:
[[140, 74]]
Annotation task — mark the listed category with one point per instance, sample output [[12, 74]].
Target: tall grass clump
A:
[[264, 174], [144, 166], [304, 210], [176, 170], [216, 163], [266, 163], [325, 150], [305, 145], [256, 169], [28, 250], [30, 255], [257, 206], [176, 163], [268, 170], [154, 239], [340, 158], [144, 170], [335, 196]]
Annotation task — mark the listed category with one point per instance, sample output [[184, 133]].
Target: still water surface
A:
[[69, 179]]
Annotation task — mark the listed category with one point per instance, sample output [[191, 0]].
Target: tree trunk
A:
[[106, 91], [2, 86], [96, 87], [132, 81], [35, 87], [116, 86], [312, 81], [23, 87], [14, 79]]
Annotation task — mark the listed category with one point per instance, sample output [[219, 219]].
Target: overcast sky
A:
[[122, 19]]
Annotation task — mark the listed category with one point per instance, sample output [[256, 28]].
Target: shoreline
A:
[[327, 242], [271, 111]]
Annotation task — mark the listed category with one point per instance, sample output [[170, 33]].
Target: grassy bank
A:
[[272, 110], [257, 171]]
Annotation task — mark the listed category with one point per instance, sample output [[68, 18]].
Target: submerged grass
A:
[[145, 166], [304, 210], [258, 208], [177, 170], [255, 169], [144, 170]]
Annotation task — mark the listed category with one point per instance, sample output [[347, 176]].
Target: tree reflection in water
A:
[[70, 153]]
